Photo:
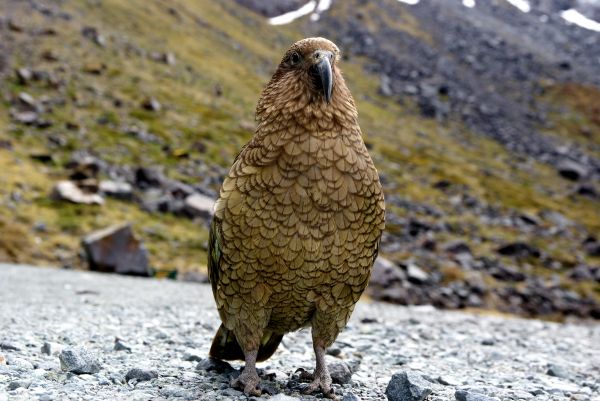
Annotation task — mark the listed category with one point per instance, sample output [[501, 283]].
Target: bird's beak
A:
[[323, 66]]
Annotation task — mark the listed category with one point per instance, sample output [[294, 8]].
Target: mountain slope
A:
[[468, 150]]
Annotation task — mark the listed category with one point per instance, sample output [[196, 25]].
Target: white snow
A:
[[321, 7], [575, 17], [469, 3], [293, 15], [522, 5], [411, 2]]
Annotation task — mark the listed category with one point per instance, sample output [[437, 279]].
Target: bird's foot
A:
[[321, 381], [248, 381]]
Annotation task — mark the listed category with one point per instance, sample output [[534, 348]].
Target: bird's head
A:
[[312, 61], [307, 75]]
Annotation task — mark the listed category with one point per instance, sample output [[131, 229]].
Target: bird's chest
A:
[[322, 173]]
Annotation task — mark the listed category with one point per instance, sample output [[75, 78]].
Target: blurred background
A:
[[120, 118]]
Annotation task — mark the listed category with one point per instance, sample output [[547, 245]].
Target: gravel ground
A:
[[124, 338]]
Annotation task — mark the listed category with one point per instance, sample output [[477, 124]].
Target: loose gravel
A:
[[68, 335]]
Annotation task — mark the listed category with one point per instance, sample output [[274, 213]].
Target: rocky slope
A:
[[83, 335], [482, 121]]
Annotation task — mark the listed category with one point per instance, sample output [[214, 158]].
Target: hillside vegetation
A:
[[171, 86]]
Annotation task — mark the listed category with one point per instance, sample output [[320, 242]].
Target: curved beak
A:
[[323, 66]]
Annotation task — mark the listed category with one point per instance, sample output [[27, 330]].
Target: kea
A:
[[297, 225]]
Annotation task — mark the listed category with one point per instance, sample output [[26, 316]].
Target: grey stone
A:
[[10, 346], [70, 192], [340, 372], [116, 250], [192, 356], [465, 395], [116, 189], [350, 397], [408, 386], [198, 205], [557, 371], [415, 274], [18, 384], [79, 360], [214, 365], [50, 348], [141, 375], [121, 346]]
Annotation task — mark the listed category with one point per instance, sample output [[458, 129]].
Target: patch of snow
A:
[[575, 17], [411, 2], [469, 3], [522, 5], [294, 15], [321, 8]]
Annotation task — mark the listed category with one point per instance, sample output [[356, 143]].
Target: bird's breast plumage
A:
[[300, 214]]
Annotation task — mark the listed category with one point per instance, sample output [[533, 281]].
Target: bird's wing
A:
[[214, 252]]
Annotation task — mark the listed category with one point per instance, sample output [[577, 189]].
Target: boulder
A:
[[116, 250]]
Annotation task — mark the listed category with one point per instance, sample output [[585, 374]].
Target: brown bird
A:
[[297, 226]]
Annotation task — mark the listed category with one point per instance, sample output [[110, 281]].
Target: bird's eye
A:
[[294, 58]]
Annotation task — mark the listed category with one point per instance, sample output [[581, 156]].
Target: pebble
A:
[[350, 397], [10, 346], [464, 395], [79, 360], [557, 371], [121, 346], [408, 386], [141, 375], [50, 348], [340, 372], [18, 384]]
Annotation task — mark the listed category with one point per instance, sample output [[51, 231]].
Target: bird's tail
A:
[[225, 346]]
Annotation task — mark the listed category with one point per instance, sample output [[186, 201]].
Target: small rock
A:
[[198, 205], [572, 170], [457, 247], [116, 250], [68, 191], [408, 386], [20, 362], [120, 346], [340, 372], [2, 360], [350, 397], [464, 395], [18, 384], [282, 397], [10, 346], [141, 375], [151, 104], [116, 189], [416, 275], [557, 371], [24, 75], [214, 365], [92, 34], [519, 249], [26, 117], [51, 348], [192, 356], [79, 360]]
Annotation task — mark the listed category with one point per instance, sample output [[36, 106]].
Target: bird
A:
[[298, 222]]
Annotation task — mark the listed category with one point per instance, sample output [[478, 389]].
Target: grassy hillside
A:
[[223, 55]]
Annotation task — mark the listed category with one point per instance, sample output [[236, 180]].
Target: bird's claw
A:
[[248, 382], [323, 383]]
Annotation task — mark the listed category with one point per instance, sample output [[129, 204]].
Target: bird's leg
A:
[[248, 380], [321, 376]]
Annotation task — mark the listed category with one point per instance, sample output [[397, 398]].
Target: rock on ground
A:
[[164, 322]]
